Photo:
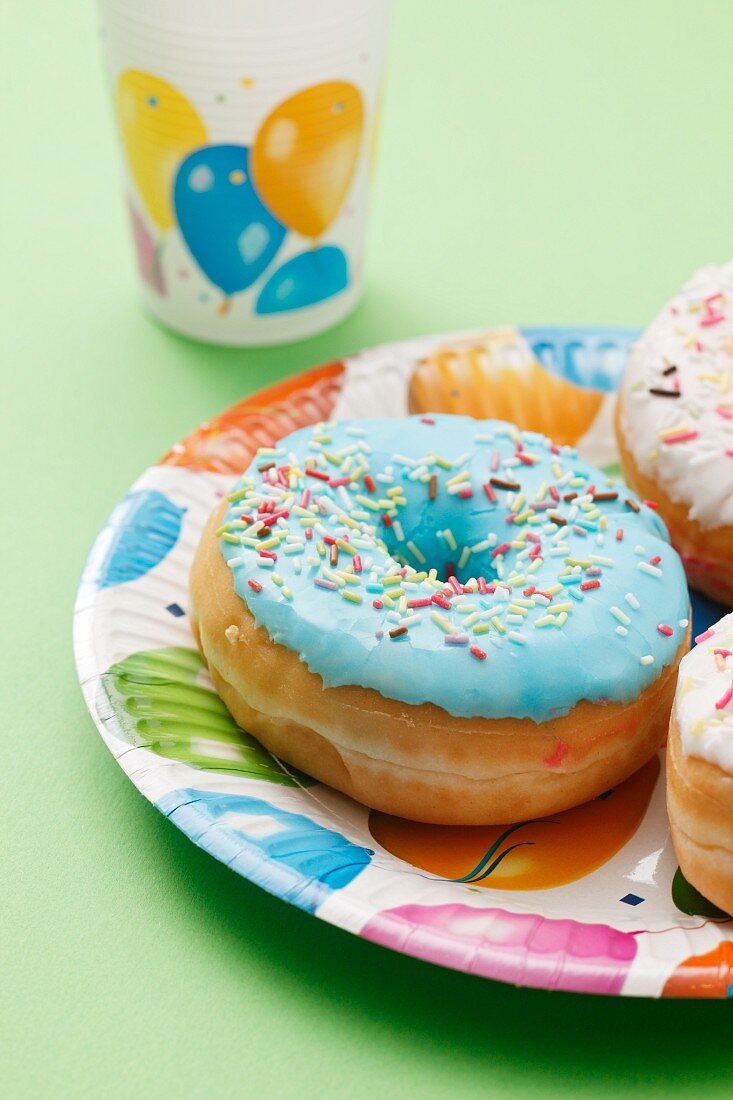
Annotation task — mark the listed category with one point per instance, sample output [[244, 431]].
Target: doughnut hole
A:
[[429, 527]]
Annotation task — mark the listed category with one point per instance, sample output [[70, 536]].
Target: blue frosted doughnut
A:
[[456, 562]]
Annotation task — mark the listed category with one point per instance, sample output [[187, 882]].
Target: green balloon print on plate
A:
[[159, 704], [691, 901]]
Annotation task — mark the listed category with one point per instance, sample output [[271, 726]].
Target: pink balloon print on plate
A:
[[520, 948], [146, 251]]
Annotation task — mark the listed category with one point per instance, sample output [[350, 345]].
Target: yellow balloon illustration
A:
[[159, 127], [305, 154]]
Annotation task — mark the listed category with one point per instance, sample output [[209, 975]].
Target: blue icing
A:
[[144, 528], [530, 671], [286, 853]]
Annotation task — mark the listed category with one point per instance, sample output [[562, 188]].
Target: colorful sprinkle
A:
[[341, 534], [722, 703], [681, 437]]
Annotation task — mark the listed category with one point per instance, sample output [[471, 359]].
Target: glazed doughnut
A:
[[449, 620], [700, 765], [675, 426], [495, 376]]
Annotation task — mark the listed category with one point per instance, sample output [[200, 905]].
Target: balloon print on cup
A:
[[305, 154], [147, 253], [233, 206], [158, 126], [307, 279], [231, 235], [303, 162]]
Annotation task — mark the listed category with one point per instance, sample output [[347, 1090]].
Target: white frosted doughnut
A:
[[700, 765], [675, 425]]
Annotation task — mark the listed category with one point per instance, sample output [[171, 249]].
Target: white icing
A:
[[598, 444], [695, 334], [704, 680]]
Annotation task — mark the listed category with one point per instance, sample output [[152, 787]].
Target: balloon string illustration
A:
[[492, 866], [476, 876]]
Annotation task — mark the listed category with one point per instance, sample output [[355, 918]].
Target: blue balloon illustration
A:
[[139, 534], [287, 853], [230, 234], [588, 355], [307, 279]]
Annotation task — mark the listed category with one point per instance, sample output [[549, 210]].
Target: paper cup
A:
[[248, 132]]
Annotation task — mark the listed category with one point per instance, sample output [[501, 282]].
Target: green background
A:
[[541, 162]]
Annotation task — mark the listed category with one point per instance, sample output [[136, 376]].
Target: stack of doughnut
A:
[[449, 620], [674, 427]]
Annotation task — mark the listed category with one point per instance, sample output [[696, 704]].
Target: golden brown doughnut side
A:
[[700, 807], [413, 761], [472, 378], [707, 553]]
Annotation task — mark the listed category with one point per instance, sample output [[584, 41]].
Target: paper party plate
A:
[[595, 903]]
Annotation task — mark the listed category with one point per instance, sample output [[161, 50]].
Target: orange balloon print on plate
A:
[[535, 855], [709, 975], [227, 444], [304, 156]]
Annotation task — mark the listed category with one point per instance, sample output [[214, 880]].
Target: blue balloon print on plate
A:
[[591, 357], [305, 280], [231, 235], [286, 853], [143, 529]]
